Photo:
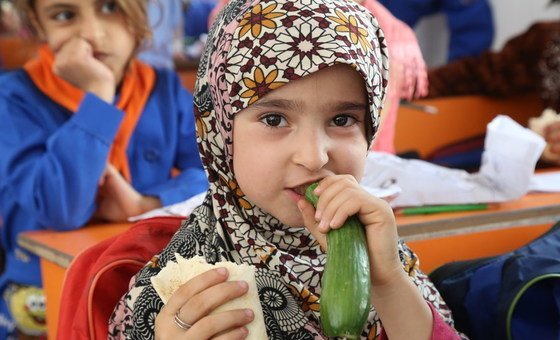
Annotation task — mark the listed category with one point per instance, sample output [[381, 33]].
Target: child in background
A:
[[470, 22], [408, 80], [288, 94], [87, 131]]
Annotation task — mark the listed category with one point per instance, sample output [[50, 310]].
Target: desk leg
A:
[[53, 278]]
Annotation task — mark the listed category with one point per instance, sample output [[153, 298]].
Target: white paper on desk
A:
[[183, 208], [545, 182], [508, 162]]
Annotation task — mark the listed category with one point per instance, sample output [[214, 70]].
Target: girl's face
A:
[[300, 133], [99, 22]]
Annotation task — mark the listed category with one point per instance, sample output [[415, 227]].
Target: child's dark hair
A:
[[134, 12]]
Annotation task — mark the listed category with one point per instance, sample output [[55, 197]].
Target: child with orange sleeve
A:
[[87, 132]]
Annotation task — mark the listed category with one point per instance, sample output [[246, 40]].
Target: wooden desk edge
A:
[[44, 252], [483, 222]]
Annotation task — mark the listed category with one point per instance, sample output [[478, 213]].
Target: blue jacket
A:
[[470, 22], [51, 160]]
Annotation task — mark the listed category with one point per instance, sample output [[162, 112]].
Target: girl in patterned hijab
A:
[[288, 93]]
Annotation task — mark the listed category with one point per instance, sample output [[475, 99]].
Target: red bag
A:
[[99, 276]]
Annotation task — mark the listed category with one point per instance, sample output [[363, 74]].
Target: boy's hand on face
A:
[[195, 300], [117, 200], [340, 197], [75, 63]]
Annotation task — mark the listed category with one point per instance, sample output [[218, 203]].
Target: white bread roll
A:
[[174, 274]]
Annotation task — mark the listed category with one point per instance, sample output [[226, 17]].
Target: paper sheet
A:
[[508, 163], [545, 182]]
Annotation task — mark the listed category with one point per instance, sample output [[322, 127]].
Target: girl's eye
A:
[[109, 7], [343, 120], [63, 16], [274, 120]]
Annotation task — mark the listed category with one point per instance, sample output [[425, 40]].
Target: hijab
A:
[[255, 47]]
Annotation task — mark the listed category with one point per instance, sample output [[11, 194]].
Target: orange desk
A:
[[437, 238], [445, 237], [57, 249]]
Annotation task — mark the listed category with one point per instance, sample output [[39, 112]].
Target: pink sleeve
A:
[[440, 330]]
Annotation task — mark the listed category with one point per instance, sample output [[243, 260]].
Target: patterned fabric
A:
[[253, 48], [527, 62]]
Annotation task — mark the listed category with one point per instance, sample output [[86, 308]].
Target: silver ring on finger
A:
[[180, 323]]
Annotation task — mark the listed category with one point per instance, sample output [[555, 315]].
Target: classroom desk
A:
[[445, 237], [57, 249], [436, 238]]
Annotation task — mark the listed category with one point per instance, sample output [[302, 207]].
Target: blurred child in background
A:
[[470, 22], [87, 132]]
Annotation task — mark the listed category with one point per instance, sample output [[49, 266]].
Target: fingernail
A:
[[249, 313], [318, 214], [245, 331], [243, 284], [222, 271]]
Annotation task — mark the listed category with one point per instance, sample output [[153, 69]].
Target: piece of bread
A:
[[538, 124], [174, 274]]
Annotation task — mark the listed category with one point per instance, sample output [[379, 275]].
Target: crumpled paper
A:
[[508, 163]]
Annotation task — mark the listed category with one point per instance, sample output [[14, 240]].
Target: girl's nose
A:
[[91, 29], [311, 150]]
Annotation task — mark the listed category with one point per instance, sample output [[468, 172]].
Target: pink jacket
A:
[[408, 75]]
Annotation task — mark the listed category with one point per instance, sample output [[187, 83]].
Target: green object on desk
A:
[[433, 209]]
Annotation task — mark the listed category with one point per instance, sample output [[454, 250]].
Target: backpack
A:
[[510, 296], [99, 276]]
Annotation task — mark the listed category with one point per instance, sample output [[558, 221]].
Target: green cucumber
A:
[[345, 300]]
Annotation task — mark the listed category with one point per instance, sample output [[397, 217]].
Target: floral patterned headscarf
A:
[[253, 48]]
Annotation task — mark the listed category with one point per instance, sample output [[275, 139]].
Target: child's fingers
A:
[[195, 286], [346, 203], [206, 301], [225, 325], [308, 214], [329, 188], [552, 132]]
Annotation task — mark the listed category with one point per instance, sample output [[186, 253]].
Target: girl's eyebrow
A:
[[277, 104], [351, 106], [58, 6], [294, 105]]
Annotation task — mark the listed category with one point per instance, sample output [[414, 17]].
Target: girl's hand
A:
[[195, 300], [117, 200], [340, 197], [398, 302], [75, 63], [552, 137]]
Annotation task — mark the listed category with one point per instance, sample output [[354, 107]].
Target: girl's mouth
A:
[[300, 190], [100, 56]]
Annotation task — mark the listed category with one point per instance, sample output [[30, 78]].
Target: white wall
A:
[[511, 17]]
